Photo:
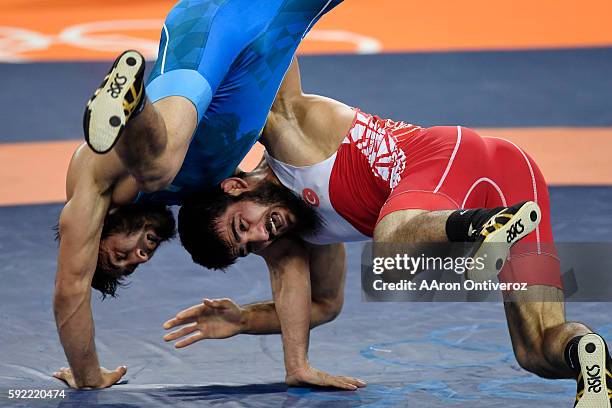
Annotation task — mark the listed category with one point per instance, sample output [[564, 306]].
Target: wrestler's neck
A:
[[306, 130], [260, 174]]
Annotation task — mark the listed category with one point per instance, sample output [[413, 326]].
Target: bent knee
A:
[[533, 359], [331, 308], [526, 358]]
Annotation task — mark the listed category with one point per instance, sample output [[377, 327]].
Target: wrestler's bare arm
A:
[[327, 267], [291, 289], [304, 129], [222, 318], [90, 184]]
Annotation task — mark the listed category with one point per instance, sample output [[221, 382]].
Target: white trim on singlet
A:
[[163, 63], [450, 162], [534, 186], [488, 180], [315, 19]]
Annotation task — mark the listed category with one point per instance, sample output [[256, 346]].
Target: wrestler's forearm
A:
[[75, 326], [261, 317]]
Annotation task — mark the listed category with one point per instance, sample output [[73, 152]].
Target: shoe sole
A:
[[105, 117], [494, 256], [592, 356]]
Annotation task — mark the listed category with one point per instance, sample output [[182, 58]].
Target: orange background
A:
[[397, 25], [36, 171]]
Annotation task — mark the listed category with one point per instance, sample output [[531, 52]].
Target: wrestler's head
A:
[[130, 236], [241, 216]]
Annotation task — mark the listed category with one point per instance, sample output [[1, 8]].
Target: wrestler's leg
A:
[[414, 211], [491, 231], [544, 342], [150, 139], [539, 331], [412, 226], [442, 180], [154, 143], [547, 345], [536, 318]]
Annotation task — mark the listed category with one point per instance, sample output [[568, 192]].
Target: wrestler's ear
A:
[[234, 186]]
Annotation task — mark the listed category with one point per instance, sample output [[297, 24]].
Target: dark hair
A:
[[198, 227], [128, 219]]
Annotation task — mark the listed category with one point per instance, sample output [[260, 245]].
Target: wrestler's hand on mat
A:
[[213, 319], [309, 376], [107, 377]]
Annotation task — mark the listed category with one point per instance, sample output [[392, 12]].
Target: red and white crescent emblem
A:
[[310, 197]]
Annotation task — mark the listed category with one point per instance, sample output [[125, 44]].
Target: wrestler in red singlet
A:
[[384, 166]]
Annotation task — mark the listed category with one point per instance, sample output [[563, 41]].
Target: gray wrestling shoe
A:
[[595, 378], [119, 98], [502, 230]]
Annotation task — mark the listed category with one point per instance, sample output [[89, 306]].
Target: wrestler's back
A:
[[243, 51]]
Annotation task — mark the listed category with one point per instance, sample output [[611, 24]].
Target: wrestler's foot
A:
[[496, 236], [120, 97], [595, 378]]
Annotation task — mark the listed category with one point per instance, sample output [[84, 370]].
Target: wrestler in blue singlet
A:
[[229, 58]]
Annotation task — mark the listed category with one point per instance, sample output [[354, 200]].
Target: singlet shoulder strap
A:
[[283, 171]]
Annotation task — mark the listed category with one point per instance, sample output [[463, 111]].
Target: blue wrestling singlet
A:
[[229, 58]]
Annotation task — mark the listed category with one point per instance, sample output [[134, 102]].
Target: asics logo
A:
[[514, 230], [594, 381], [117, 85]]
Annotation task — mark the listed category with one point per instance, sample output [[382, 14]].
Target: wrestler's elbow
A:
[[61, 303], [66, 293]]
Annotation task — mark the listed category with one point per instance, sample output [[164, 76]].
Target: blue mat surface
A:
[[475, 89], [411, 354]]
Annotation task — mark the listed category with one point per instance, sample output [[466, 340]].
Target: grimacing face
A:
[[248, 226], [121, 251]]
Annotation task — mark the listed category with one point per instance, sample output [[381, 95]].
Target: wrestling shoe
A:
[[497, 235], [596, 368], [120, 96]]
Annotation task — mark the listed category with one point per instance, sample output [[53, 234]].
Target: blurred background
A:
[[538, 70]]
